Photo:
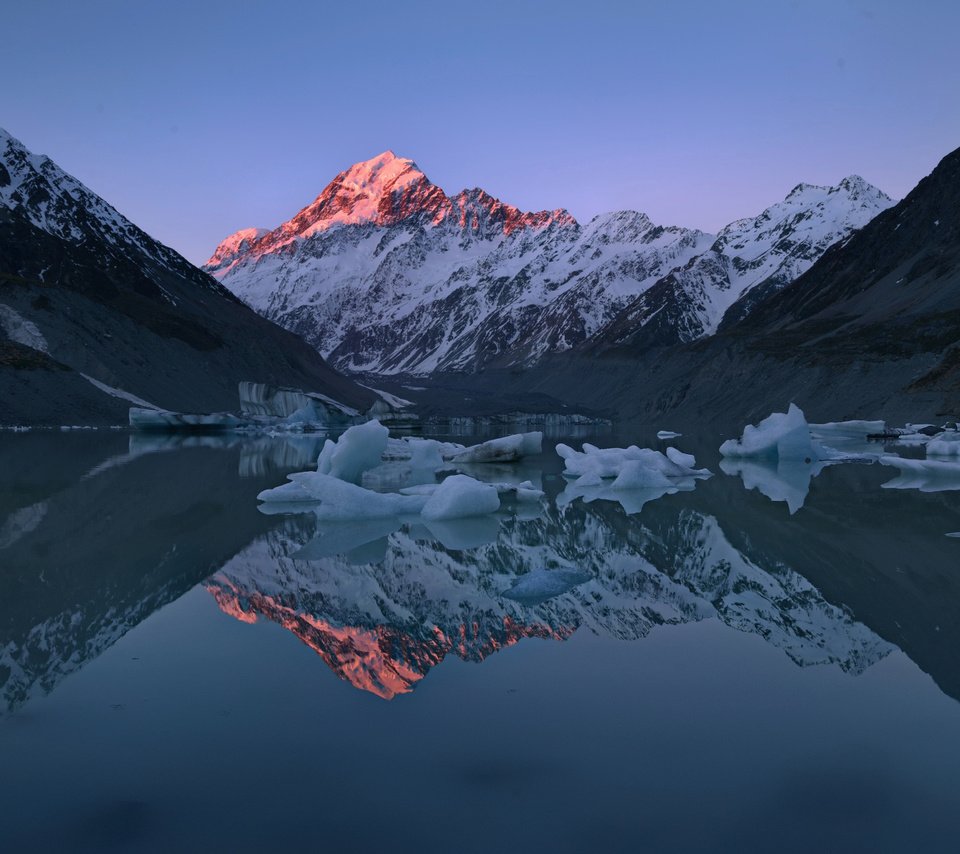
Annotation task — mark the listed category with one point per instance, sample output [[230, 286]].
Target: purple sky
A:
[[197, 119]]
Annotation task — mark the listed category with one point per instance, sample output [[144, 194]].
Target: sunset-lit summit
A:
[[383, 191]]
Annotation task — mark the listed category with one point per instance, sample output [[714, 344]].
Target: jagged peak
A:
[[852, 184], [469, 206], [232, 245], [383, 173]]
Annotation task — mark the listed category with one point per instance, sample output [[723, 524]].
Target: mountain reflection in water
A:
[[97, 533]]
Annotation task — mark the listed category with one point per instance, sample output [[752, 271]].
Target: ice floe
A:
[[503, 449], [460, 495], [780, 436], [338, 489], [629, 476], [592, 465], [946, 444], [358, 449]]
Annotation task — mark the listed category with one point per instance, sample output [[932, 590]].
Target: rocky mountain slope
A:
[[871, 330], [95, 315], [385, 273]]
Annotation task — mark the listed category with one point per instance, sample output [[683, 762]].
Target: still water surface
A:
[[179, 671]]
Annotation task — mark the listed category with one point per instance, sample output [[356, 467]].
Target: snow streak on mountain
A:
[[383, 272]]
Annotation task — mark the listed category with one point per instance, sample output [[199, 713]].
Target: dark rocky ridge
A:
[[112, 303]]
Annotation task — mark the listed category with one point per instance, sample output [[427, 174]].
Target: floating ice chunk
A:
[[780, 436], [539, 585], [404, 449], [527, 493], [292, 491], [360, 448], [680, 458], [426, 454], [636, 474], [924, 475], [504, 449], [458, 496], [668, 434], [913, 439], [594, 464], [954, 534], [947, 444], [524, 492], [287, 508], [339, 499]]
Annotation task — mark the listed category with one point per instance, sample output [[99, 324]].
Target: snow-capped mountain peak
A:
[[233, 245], [414, 281]]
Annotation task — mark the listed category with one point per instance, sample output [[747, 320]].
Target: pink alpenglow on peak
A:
[[477, 210], [234, 245], [383, 191]]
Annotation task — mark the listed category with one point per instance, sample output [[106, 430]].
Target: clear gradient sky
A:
[[197, 119]]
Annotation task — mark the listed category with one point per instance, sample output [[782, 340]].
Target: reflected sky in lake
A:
[[763, 654]]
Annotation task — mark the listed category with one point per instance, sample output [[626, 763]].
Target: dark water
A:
[[180, 672]]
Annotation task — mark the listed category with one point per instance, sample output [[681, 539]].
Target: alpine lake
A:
[[767, 661]]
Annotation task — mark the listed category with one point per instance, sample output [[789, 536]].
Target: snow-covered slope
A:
[[750, 260], [383, 272], [57, 203]]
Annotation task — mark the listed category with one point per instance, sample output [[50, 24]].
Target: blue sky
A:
[[197, 119]]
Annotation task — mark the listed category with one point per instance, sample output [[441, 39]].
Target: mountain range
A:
[[385, 273], [835, 298]]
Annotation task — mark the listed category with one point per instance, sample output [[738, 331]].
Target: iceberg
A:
[[340, 499], [360, 448], [635, 474], [947, 444], [504, 449], [668, 434], [459, 496], [592, 465], [404, 449], [780, 436]]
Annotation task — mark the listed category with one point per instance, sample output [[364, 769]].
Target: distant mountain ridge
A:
[[95, 315], [384, 273]]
